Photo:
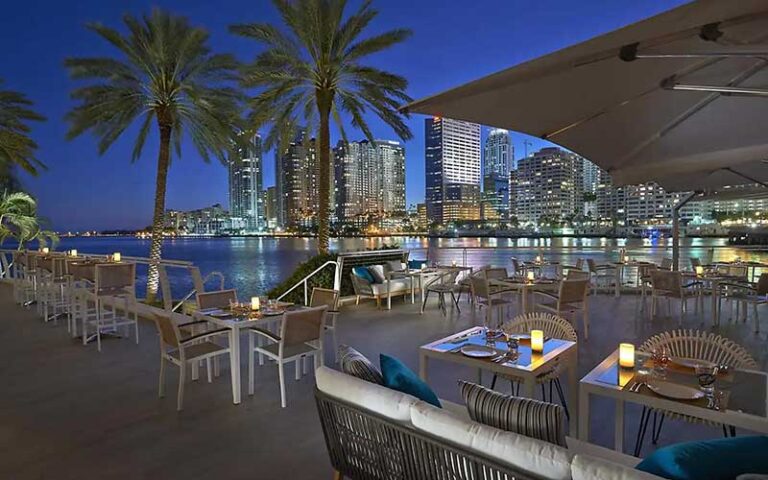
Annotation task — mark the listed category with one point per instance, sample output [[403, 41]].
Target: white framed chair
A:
[[695, 345], [571, 297], [487, 298], [185, 352], [113, 290], [329, 298], [553, 326], [301, 335]]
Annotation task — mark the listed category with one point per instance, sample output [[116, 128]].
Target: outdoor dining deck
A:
[[69, 412]]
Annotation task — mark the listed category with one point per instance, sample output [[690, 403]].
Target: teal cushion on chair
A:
[[720, 459], [416, 264], [363, 273], [398, 376]]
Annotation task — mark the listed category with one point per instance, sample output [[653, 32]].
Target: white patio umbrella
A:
[[680, 98]]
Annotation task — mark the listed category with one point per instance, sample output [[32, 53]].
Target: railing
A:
[[194, 290], [304, 281]]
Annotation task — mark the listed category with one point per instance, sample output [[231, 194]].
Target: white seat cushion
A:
[[396, 285], [369, 396], [586, 467], [524, 454], [578, 447]]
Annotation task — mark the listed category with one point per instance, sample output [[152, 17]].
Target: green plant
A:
[[313, 73], [323, 279], [166, 73], [16, 146], [19, 220]]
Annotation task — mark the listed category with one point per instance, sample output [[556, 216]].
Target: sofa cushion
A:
[[395, 266], [416, 264], [705, 459], [356, 364], [363, 273], [396, 285], [587, 467], [526, 416], [401, 378], [537, 458], [368, 396], [377, 272]]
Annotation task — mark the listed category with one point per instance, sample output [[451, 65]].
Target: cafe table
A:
[[237, 323], [526, 367], [420, 277], [525, 287], [744, 401]]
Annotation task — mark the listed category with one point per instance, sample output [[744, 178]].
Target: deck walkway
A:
[[68, 412]]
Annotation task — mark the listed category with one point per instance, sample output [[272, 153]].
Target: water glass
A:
[[660, 359], [706, 374]]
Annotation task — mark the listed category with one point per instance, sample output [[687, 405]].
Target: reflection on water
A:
[[254, 265]]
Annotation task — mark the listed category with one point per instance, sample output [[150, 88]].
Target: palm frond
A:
[[16, 146]]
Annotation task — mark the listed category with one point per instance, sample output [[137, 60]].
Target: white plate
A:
[[675, 391], [478, 351], [690, 362], [220, 314]]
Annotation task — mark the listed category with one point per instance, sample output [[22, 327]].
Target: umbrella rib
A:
[[747, 177]]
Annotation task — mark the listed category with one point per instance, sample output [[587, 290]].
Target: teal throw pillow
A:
[[398, 376]]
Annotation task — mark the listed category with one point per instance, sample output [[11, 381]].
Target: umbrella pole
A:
[[676, 229]]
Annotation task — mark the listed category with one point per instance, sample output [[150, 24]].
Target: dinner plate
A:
[[478, 351], [520, 336], [270, 313], [690, 362], [220, 314], [674, 390]]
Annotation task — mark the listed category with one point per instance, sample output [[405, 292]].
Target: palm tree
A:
[[313, 72], [165, 73], [19, 220], [16, 147]]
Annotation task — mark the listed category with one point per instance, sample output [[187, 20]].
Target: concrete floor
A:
[[69, 412]]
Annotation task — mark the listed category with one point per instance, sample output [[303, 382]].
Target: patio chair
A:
[[553, 326], [570, 298], [301, 335], [498, 273], [485, 297], [442, 285], [329, 298], [520, 269], [185, 351], [754, 295], [578, 267], [114, 283], [695, 345], [666, 264], [669, 285], [604, 274], [465, 284]]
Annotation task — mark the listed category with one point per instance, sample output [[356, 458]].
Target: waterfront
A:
[[253, 265]]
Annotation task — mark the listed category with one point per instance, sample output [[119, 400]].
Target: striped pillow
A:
[[525, 416], [356, 364]]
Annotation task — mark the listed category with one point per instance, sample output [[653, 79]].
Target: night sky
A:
[[453, 42]]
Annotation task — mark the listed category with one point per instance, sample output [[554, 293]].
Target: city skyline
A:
[[508, 38]]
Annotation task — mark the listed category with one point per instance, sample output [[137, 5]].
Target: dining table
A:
[[236, 321], [525, 287], [525, 364], [740, 398]]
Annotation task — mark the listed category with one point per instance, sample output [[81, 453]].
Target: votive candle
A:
[[626, 355], [255, 303], [45, 250], [73, 252], [530, 275], [699, 270], [116, 257], [537, 341]]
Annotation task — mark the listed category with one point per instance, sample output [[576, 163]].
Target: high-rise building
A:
[[369, 179], [270, 206], [297, 181], [549, 186], [498, 155], [452, 156], [246, 196], [649, 202]]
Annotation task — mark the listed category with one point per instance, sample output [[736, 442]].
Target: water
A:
[[255, 265]]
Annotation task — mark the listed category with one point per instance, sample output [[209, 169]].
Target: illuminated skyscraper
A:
[[246, 197], [497, 164]]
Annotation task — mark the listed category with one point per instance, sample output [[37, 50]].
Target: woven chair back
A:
[[169, 332], [552, 325], [218, 299], [699, 345], [324, 296], [302, 326], [115, 276], [573, 291]]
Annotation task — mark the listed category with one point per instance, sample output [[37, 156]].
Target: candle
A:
[[538, 258], [45, 250], [423, 266], [537, 341], [699, 270], [255, 305], [626, 355], [453, 263], [530, 275], [116, 257], [73, 252]]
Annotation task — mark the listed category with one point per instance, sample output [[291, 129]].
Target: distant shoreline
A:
[[387, 235]]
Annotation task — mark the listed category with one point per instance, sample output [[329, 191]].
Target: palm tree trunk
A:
[[158, 216], [324, 178]]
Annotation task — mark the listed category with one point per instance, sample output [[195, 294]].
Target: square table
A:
[[527, 367], [236, 324], [746, 406], [525, 287]]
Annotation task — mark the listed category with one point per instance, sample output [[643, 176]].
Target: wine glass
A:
[[660, 359], [706, 374]]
